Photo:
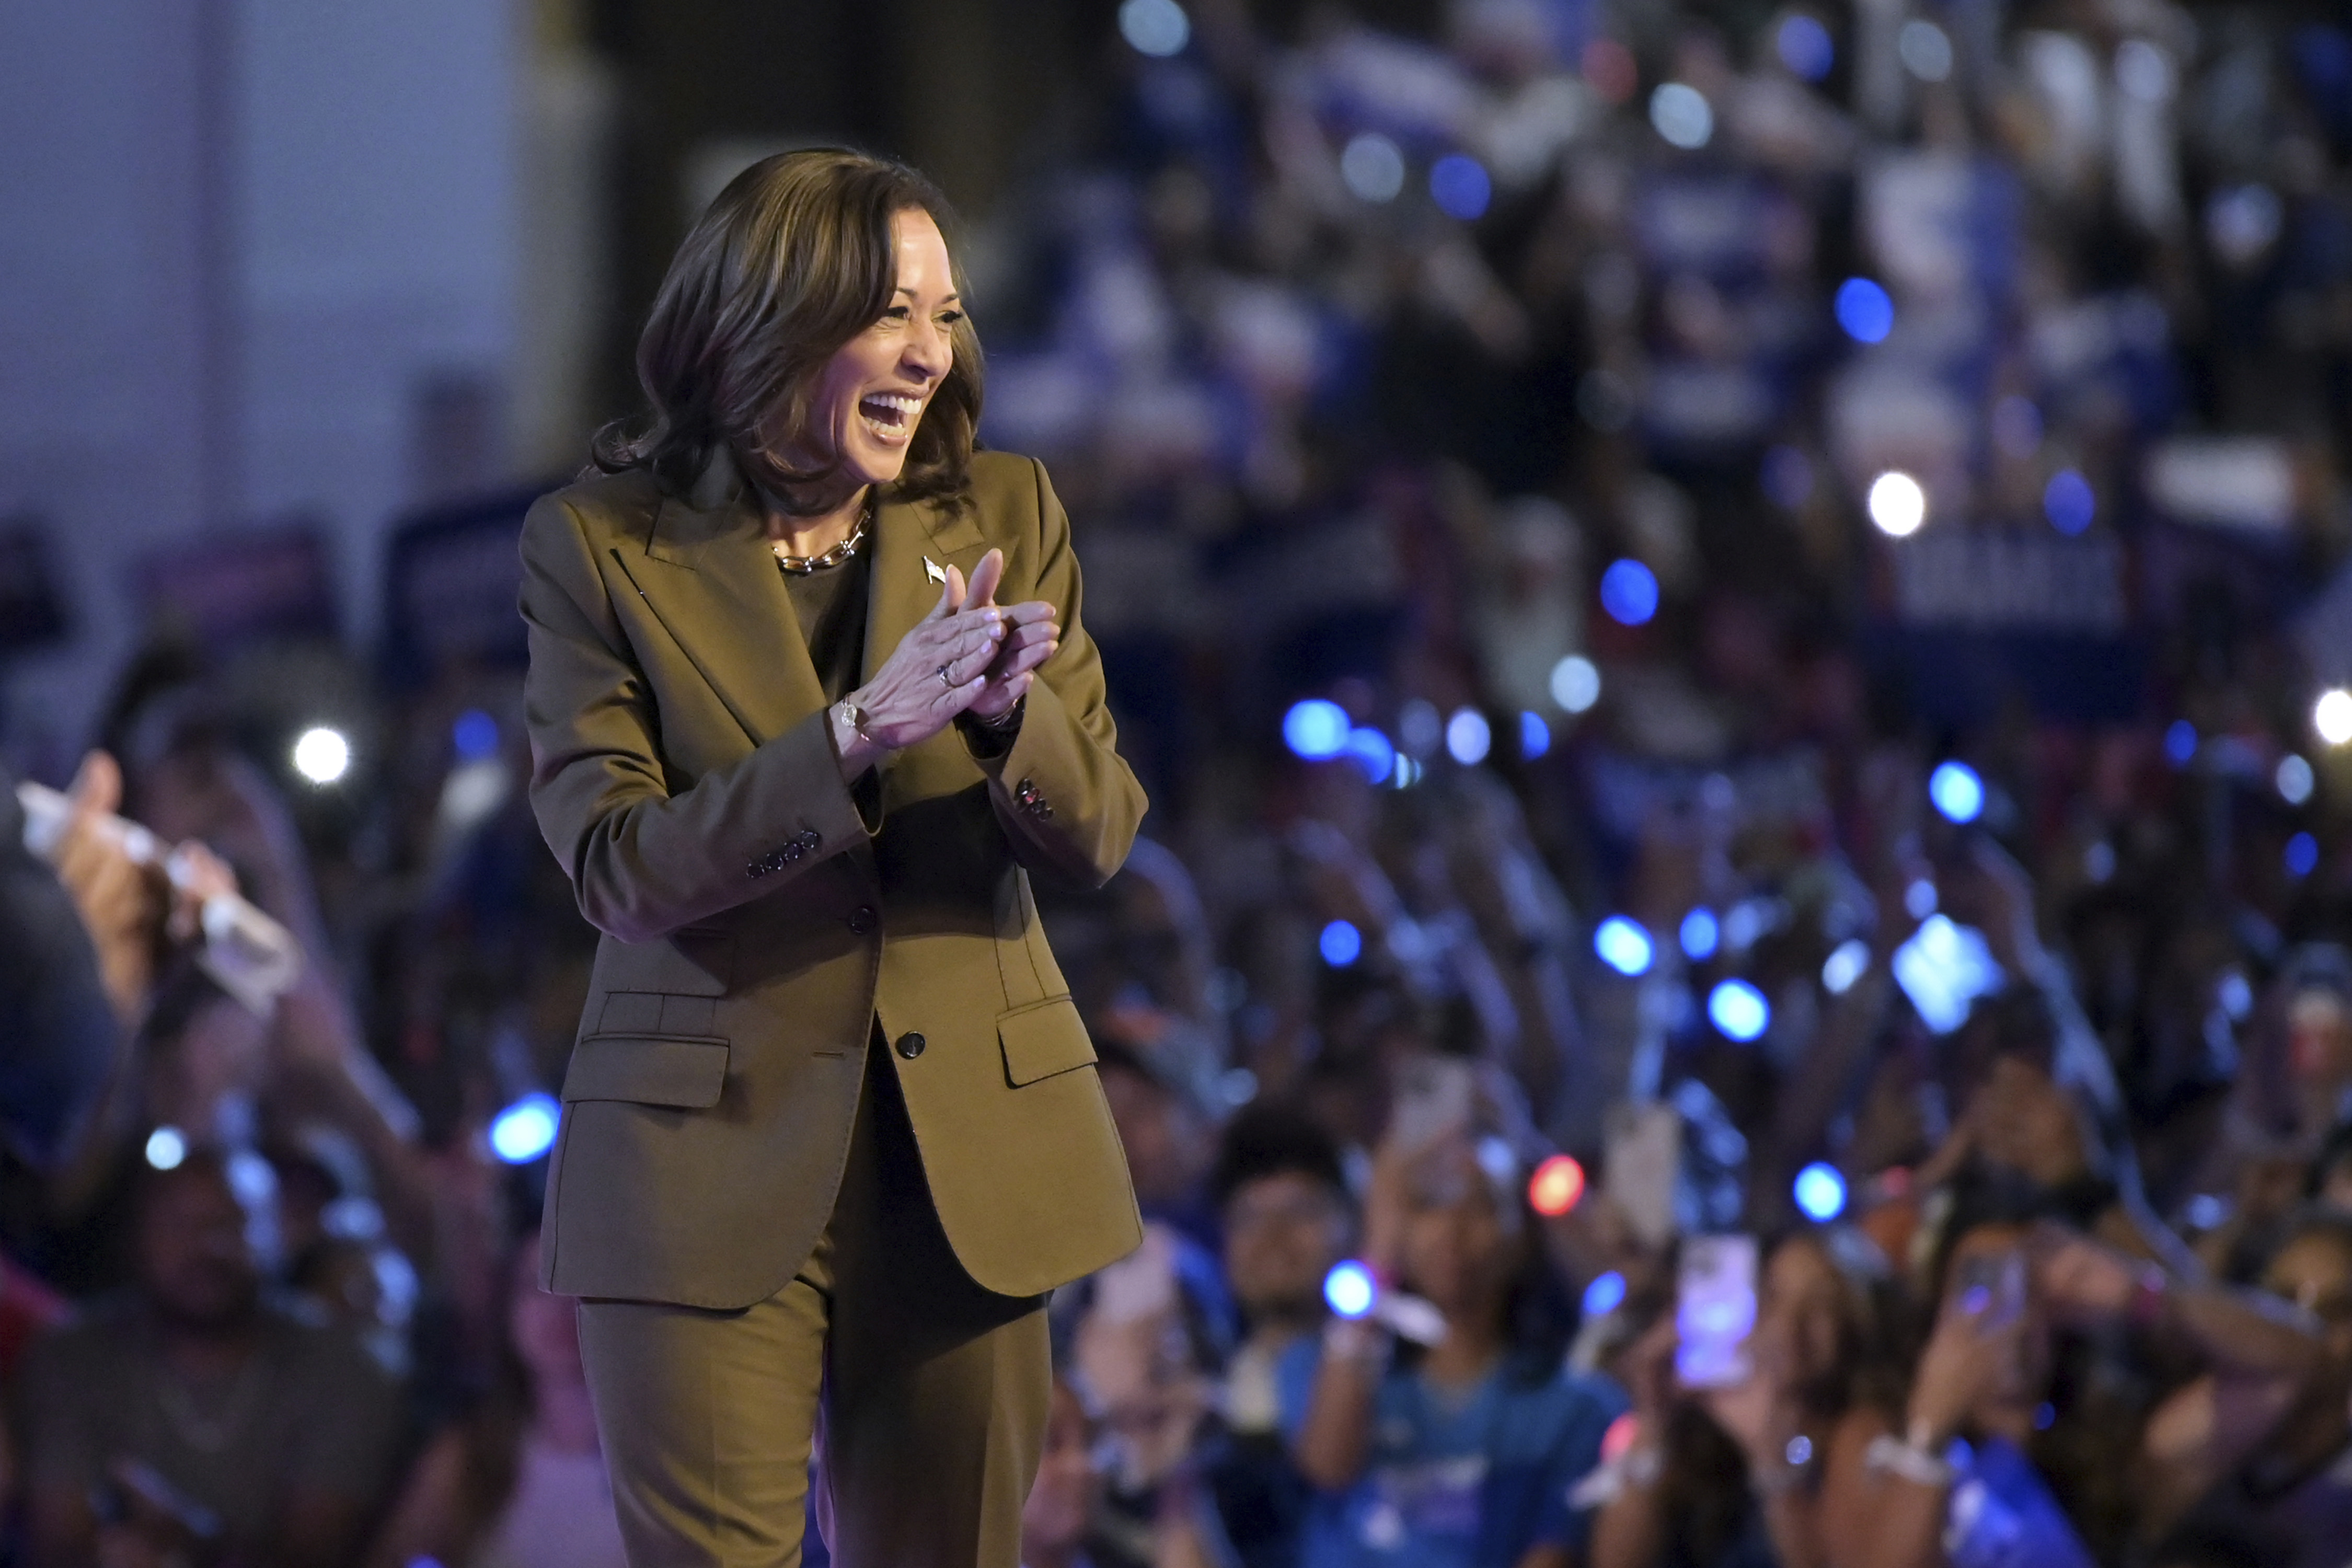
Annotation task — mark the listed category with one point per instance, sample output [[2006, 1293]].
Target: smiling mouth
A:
[[890, 416]]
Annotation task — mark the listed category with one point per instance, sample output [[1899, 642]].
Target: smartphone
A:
[[1992, 1288], [1714, 1310], [1433, 1096], [1641, 1164]]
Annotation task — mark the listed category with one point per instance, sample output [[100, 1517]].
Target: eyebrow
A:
[[944, 298]]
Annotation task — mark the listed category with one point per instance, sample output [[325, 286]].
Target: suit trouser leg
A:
[[935, 1391]]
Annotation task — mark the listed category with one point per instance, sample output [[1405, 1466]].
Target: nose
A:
[[930, 350]]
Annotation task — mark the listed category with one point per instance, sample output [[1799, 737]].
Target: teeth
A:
[[898, 401]]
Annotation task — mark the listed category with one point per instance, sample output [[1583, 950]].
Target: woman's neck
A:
[[814, 533]]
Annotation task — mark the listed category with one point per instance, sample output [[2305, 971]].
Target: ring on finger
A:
[[944, 681]]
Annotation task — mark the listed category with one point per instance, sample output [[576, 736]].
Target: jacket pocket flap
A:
[[648, 1070], [1042, 1039]]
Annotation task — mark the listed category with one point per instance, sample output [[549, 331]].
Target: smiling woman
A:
[[832, 1127]]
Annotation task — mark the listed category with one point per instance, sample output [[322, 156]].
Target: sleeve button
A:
[[911, 1044], [862, 920]]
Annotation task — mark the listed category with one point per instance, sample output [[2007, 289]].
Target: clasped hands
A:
[[969, 653]]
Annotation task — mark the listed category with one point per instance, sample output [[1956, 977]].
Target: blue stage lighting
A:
[[1459, 185], [525, 1130], [1372, 752], [2302, 856], [1805, 47], [2181, 743], [1604, 1295], [1701, 934], [1629, 592], [1821, 1192], [1739, 1010], [1535, 736], [1623, 946], [475, 735], [1315, 728], [1866, 310], [1341, 944], [1957, 791], [2068, 503]]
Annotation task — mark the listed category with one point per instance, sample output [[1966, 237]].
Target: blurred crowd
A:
[[1743, 953]]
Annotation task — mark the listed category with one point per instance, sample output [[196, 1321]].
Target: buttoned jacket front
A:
[[755, 925]]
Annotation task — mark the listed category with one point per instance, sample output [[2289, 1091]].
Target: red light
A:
[[1622, 1435], [1556, 1186]]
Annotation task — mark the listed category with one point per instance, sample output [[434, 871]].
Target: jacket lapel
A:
[[902, 590], [711, 578]]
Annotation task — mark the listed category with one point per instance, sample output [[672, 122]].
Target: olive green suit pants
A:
[[929, 1393]]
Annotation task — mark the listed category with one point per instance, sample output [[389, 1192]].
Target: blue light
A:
[[1604, 1295], [1535, 736], [1739, 1010], [1866, 310], [1821, 1192], [1943, 969], [2068, 503], [1623, 946], [476, 735], [2181, 743], [1957, 791], [1459, 185], [1701, 934], [1467, 737], [525, 1130], [1629, 592], [1350, 1288], [1315, 728], [1805, 47], [2302, 856], [1340, 944], [1372, 752]]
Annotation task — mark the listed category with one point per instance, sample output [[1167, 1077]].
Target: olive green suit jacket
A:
[[756, 925]]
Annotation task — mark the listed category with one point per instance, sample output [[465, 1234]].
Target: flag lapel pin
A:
[[934, 571]]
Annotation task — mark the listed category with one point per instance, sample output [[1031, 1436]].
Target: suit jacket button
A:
[[861, 921], [911, 1044]]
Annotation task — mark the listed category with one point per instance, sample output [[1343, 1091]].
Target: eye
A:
[[950, 318], [895, 313]]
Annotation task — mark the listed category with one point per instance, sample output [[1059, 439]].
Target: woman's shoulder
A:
[[598, 502]]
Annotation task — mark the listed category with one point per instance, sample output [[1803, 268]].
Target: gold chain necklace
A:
[[802, 566]]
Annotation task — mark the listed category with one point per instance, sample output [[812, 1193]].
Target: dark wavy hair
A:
[[793, 260]]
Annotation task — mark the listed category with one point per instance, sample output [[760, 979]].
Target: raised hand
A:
[[935, 673], [1032, 635]]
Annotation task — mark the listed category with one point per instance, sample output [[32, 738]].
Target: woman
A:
[[832, 1116], [520, 1483], [1729, 1476], [1462, 1456]]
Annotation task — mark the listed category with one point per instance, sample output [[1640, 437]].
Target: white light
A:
[[1373, 167], [1155, 28], [1847, 965], [2332, 715], [2294, 779], [1821, 1192], [1739, 1010], [1467, 737], [321, 755], [1623, 946], [166, 1148], [525, 1130], [1575, 683], [1682, 115], [1897, 505], [1925, 50], [1943, 969]]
